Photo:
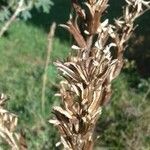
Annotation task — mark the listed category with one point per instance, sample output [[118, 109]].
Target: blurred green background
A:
[[124, 123]]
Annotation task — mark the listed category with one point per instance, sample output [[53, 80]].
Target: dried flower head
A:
[[8, 123], [88, 75]]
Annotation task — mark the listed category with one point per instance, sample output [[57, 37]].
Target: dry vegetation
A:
[[98, 59], [8, 123], [88, 74]]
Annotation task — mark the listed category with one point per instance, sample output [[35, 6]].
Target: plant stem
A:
[[49, 49]]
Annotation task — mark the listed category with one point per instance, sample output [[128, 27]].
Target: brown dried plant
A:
[[8, 123], [99, 48]]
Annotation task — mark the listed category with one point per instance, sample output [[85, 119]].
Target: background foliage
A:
[[125, 122], [7, 7]]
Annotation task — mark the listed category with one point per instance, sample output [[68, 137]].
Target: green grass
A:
[[124, 123], [22, 59]]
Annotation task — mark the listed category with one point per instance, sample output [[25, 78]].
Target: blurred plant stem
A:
[[49, 49]]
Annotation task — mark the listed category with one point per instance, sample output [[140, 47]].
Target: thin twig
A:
[[50, 42], [18, 10]]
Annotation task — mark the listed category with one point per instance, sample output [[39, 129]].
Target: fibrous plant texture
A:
[[8, 123], [98, 59]]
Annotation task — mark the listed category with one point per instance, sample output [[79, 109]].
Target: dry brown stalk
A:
[[88, 75], [8, 123]]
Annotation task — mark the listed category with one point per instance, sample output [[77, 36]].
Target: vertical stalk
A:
[[89, 73], [49, 49]]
